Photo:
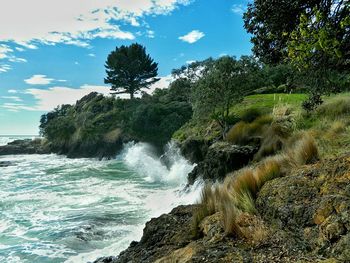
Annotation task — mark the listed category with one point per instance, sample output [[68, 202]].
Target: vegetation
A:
[[97, 123], [313, 36], [130, 69]]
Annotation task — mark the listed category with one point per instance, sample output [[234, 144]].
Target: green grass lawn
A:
[[268, 102]]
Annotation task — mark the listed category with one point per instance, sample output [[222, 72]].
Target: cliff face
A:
[[302, 217]]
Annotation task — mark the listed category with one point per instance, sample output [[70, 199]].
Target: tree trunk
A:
[[131, 95]]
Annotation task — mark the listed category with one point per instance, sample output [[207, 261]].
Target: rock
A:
[[161, 236], [5, 163], [27, 146], [194, 150], [313, 203], [302, 217], [222, 158]]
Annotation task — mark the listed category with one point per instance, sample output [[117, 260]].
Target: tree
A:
[[313, 36], [224, 84], [313, 25], [130, 69]]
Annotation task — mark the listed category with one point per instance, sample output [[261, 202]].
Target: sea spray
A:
[[171, 167], [55, 209]]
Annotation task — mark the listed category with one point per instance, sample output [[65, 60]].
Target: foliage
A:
[[96, 121], [313, 36], [226, 82], [130, 69]]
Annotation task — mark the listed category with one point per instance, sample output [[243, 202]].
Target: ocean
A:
[[55, 209]]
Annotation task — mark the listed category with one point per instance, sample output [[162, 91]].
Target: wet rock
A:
[[194, 150], [222, 158], [5, 163], [27, 146], [302, 217]]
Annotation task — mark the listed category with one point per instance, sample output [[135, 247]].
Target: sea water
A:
[[55, 209]]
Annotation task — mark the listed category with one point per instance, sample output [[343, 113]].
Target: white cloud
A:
[[20, 60], [74, 22], [48, 99], [238, 9], [38, 80], [91, 55], [4, 51], [150, 34], [4, 68], [163, 83], [14, 98], [192, 36], [12, 91], [190, 61]]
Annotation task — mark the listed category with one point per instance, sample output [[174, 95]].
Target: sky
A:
[[53, 52]]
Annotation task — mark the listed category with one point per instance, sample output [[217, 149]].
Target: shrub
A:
[[312, 102]]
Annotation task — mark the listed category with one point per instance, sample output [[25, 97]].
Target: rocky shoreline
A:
[[304, 217], [42, 146]]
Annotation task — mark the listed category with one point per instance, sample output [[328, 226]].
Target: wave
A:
[[166, 181]]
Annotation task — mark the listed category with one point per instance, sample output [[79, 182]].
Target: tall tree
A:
[[225, 83], [130, 69]]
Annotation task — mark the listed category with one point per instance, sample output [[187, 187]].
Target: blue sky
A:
[[53, 52]]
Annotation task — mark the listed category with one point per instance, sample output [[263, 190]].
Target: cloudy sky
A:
[[53, 51]]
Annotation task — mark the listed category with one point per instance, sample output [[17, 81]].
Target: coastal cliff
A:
[[305, 216]]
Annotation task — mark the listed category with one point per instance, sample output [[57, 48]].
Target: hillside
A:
[[289, 202]]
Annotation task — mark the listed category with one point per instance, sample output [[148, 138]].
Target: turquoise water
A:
[[55, 209]]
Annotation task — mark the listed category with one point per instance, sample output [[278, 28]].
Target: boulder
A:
[[222, 158]]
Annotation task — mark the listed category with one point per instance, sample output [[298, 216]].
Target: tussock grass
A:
[[251, 114], [243, 132], [305, 151], [236, 195], [335, 108], [229, 214]]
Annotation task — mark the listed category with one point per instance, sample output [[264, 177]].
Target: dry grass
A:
[[237, 194], [335, 108], [267, 171], [305, 151], [229, 214], [242, 132], [337, 128]]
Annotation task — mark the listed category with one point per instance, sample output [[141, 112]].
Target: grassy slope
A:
[[330, 125]]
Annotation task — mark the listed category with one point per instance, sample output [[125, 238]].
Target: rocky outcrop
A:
[[5, 163], [302, 217], [194, 150], [220, 159], [313, 203], [27, 146]]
